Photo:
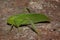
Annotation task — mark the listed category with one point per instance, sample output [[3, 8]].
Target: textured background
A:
[[48, 31]]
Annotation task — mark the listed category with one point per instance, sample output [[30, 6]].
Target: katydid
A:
[[25, 19]]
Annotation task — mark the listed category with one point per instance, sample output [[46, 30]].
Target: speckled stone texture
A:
[[48, 31]]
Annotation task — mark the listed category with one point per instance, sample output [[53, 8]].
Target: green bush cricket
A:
[[25, 19]]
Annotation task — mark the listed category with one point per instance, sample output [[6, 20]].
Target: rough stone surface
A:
[[48, 31]]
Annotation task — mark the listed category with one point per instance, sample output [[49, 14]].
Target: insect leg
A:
[[28, 10], [11, 28], [18, 26], [33, 26]]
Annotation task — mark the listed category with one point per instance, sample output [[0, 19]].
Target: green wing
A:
[[21, 19], [38, 18]]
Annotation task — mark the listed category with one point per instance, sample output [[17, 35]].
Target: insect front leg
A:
[[11, 28]]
